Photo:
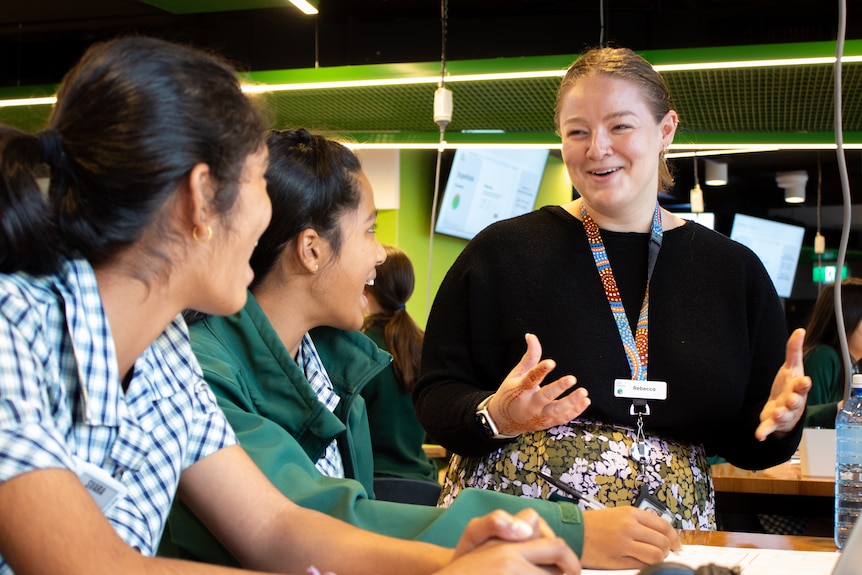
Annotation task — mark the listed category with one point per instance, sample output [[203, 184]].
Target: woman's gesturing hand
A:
[[522, 404], [786, 404]]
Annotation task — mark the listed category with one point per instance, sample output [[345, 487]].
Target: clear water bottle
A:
[[848, 471]]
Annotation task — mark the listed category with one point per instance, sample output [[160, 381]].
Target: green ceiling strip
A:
[[433, 138], [753, 52], [409, 70], [781, 104], [344, 73], [201, 6]]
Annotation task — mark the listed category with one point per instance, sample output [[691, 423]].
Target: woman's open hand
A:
[[786, 404], [522, 404]]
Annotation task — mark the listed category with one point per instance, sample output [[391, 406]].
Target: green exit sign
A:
[[826, 274]]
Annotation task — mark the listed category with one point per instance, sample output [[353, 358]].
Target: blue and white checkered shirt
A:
[[61, 400], [330, 464]]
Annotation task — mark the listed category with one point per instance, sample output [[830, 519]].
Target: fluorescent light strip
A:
[[258, 88], [49, 101], [305, 7], [447, 146], [754, 64], [264, 88], [722, 152], [701, 149]]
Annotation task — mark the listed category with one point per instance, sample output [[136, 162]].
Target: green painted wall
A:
[[408, 227]]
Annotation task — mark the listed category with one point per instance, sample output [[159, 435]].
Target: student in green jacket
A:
[[396, 434], [288, 370], [822, 350]]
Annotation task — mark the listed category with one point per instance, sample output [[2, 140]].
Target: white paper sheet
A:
[[752, 561]]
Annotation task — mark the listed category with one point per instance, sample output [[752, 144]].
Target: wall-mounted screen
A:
[[777, 245], [488, 185]]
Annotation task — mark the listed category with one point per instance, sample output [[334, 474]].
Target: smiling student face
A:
[[611, 145], [346, 275]]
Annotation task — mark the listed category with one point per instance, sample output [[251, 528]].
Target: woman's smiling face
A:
[[611, 144]]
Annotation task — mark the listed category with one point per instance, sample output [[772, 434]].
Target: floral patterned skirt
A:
[[594, 458]]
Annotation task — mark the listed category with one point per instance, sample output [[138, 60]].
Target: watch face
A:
[[482, 420]]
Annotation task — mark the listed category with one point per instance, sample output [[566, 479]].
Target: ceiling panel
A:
[[39, 40], [201, 6], [762, 104]]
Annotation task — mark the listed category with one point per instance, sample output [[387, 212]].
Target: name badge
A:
[[105, 489], [637, 389]]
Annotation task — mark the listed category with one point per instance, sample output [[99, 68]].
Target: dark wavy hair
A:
[[392, 287], [132, 118], [312, 181], [822, 327]]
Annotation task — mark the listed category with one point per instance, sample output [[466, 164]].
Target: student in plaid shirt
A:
[[156, 199]]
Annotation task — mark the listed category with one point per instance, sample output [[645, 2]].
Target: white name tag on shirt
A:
[[105, 489], [637, 389]]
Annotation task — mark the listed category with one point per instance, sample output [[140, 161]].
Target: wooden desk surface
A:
[[434, 451], [784, 479], [756, 540]]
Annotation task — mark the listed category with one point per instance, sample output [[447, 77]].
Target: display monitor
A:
[[778, 246], [488, 185]]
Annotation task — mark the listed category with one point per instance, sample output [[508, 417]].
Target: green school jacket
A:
[[396, 434], [284, 428]]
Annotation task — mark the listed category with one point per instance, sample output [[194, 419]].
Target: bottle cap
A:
[[857, 380]]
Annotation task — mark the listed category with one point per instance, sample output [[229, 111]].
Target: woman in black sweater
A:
[[708, 340]]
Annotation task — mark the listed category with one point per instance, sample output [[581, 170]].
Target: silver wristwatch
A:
[[486, 422]]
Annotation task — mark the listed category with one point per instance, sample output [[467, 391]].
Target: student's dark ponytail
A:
[[28, 238], [132, 119]]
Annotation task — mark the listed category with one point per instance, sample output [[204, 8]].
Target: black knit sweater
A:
[[717, 331]]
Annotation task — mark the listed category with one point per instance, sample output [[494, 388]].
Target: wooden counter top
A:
[[784, 479], [756, 540]]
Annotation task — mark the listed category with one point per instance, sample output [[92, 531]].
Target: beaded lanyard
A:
[[635, 347]]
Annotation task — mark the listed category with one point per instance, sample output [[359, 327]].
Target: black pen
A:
[[589, 503]]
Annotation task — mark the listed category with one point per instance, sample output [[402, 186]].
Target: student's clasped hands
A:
[[503, 544]]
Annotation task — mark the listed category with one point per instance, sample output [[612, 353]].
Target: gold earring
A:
[[316, 267], [204, 240]]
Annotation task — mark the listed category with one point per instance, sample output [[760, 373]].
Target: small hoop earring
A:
[[204, 240]]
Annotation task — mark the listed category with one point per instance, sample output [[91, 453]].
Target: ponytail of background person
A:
[[28, 240], [392, 287]]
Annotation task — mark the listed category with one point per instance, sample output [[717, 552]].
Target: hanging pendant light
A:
[[696, 194], [716, 173], [793, 184]]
